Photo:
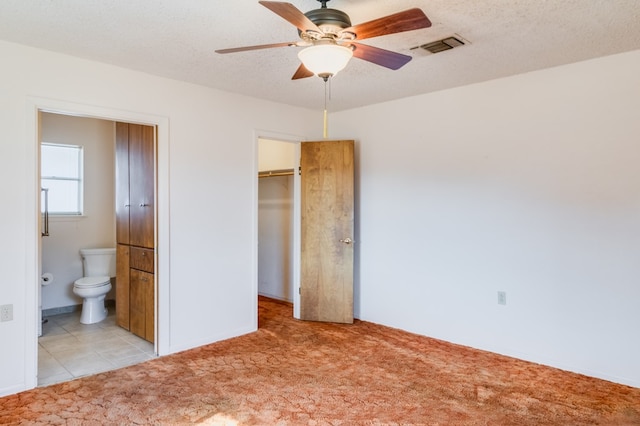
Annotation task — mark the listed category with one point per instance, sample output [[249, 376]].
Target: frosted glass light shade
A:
[[325, 59]]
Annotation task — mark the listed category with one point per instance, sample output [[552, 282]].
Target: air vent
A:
[[441, 45]]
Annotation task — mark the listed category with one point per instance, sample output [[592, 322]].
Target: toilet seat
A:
[[91, 282]]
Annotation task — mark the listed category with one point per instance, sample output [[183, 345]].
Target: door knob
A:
[[347, 241]]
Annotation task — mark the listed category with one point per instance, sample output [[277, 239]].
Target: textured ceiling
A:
[[177, 39]]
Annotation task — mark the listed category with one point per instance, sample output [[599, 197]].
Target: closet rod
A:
[[273, 173]]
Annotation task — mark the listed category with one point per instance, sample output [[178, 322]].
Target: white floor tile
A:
[[68, 349]]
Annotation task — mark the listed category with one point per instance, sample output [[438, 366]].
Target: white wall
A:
[[529, 185], [96, 228], [207, 194]]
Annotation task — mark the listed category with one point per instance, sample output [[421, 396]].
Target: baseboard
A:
[[60, 310], [71, 308], [273, 296]]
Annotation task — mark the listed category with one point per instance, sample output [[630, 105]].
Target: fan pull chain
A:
[[325, 124], [324, 130]]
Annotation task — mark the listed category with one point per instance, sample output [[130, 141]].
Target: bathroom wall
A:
[[275, 221], [96, 228]]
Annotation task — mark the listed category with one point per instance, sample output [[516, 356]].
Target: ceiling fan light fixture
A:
[[325, 60]]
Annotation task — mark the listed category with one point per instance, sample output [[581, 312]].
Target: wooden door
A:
[[122, 286], [141, 311], [149, 311], [327, 223], [122, 183], [141, 187]]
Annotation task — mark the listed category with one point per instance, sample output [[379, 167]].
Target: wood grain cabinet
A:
[[122, 285], [135, 228], [141, 293]]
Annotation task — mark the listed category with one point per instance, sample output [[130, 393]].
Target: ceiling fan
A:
[[329, 38]]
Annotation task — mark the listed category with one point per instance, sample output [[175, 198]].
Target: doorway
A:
[[78, 174], [321, 249], [278, 209], [39, 106]]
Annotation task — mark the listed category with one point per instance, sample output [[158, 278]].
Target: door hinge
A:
[[299, 290], [299, 170]]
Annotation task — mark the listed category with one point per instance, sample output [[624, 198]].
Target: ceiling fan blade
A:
[[385, 58], [257, 47], [302, 72], [290, 13], [408, 20]]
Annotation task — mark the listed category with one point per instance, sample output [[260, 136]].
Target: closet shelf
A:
[[273, 173]]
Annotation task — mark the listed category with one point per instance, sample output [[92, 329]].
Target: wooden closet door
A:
[[141, 186], [141, 310], [122, 286], [149, 311], [327, 226], [122, 183]]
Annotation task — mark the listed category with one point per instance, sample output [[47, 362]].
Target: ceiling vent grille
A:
[[441, 45]]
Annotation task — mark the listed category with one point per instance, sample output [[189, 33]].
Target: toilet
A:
[[99, 265]]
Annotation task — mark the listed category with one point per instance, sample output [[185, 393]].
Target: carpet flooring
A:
[[300, 373]]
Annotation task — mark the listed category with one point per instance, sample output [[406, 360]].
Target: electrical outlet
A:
[[6, 313], [502, 298]]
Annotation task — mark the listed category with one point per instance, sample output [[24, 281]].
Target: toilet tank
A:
[[99, 262]]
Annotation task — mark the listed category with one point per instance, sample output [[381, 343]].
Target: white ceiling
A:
[[177, 39]]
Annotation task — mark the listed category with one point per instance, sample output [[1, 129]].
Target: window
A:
[[61, 174]]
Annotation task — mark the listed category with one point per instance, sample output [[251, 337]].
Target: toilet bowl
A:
[[93, 290], [99, 267]]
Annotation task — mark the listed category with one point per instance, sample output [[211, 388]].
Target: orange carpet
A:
[[298, 373]]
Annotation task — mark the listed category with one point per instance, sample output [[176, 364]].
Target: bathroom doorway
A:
[[67, 348]]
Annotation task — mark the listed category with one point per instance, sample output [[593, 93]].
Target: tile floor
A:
[[68, 349]]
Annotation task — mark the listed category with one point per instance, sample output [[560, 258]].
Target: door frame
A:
[[33, 245], [296, 242]]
